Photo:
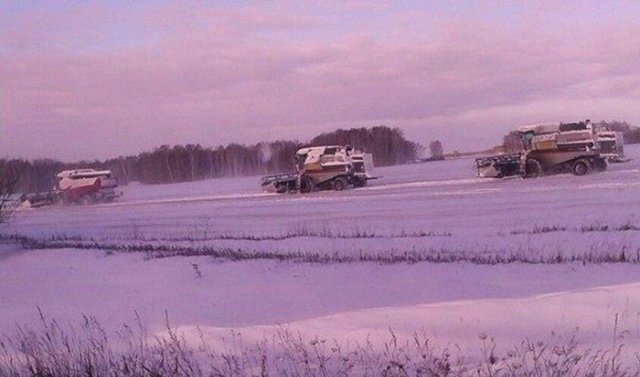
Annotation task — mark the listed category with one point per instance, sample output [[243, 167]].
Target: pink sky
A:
[[93, 81]]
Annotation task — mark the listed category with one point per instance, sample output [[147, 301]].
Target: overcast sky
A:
[[84, 80]]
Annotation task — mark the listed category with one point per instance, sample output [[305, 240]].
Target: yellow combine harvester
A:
[[334, 167], [555, 148]]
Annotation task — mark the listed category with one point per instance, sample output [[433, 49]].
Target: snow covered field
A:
[[426, 209], [563, 226]]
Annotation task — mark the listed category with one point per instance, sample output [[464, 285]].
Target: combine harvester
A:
[[81, 186], [555, 148], [324, 168]]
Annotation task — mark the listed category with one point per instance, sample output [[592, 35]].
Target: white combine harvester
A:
[[80, 186], [333, 167]]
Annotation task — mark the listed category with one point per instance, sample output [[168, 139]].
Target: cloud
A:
[[172, 74]]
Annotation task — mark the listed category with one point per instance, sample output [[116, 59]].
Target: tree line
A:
[[388, 145], [192, 162]]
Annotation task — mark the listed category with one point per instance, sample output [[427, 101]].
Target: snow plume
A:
[[265, 153]]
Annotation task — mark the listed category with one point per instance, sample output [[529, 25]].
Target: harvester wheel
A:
[[532, 168], [339, 184], [306, 185], [281, 188], [581, 167]]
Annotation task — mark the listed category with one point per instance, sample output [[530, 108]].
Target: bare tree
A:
[[8, 184]]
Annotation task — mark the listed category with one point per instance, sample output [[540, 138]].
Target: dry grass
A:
[[487, 256], [87, 350]]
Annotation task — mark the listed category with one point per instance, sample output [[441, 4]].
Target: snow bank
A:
[[451, 303]]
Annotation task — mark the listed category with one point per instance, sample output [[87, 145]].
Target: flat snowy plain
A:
[[516, 258]]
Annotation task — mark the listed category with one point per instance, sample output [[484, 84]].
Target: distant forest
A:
[[192, 162]]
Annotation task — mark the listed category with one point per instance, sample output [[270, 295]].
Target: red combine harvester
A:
[[87, 186], [80, 186]]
